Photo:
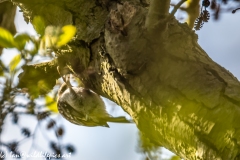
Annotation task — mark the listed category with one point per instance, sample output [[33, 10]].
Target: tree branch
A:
[[158, 11], [176, 7]]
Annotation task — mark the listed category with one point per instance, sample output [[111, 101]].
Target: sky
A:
[[220, 39]]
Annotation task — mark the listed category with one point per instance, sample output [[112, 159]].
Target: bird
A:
[[82, 106]]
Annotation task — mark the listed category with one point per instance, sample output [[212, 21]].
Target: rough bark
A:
[[178, 97]]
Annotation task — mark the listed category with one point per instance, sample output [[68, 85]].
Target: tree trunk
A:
[[151, 65]]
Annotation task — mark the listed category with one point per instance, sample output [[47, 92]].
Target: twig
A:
[[176, 7], [235, 10]]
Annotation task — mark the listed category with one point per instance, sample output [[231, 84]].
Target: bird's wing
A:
[[78, 118]]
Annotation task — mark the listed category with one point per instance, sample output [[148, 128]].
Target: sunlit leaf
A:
[[21, 40], [42, 45], [14, 62], [43, 85], [51, 104], [50, 41], [6, 39], [51, 37], [39, 25], [68, 32]]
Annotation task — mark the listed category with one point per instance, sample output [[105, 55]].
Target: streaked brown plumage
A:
[[84, 107]]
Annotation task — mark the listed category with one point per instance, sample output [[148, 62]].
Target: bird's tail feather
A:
[[120, 119]]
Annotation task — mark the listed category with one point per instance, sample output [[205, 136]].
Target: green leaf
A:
[[39, 79], [14, 62], [21, 40], [39, 25], [68, 32], [6, 39], [34, 51], [51, 104]]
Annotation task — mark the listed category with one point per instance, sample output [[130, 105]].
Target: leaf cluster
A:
[[32, 88]]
